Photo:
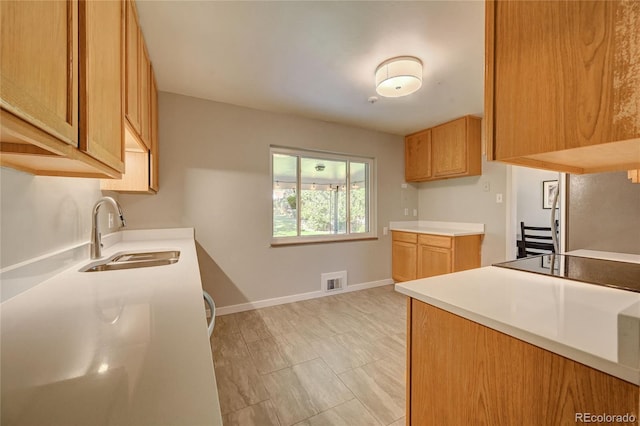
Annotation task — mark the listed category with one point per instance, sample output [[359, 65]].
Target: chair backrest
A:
[[535, 240]]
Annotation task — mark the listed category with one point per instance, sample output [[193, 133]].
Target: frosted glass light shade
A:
[[399, 76]]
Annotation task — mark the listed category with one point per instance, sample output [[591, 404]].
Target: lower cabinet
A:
[[404, 251], [426, 255], [433, 261], [462, 373]]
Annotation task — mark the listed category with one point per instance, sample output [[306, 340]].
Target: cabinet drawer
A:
[[407, 237], [435, 240]]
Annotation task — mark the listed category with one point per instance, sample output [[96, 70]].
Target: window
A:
[[320, 196]]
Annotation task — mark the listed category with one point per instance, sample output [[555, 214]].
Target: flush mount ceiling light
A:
[[399, 76]]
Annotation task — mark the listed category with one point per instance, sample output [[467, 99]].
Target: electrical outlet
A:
[[406, 211], [403, 186], [498, 198], [486, 187], [385, 230], [415, 212], [111, 224]]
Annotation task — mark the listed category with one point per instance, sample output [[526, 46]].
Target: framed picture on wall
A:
[[548, 189]]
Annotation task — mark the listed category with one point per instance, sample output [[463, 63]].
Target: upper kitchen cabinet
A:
[[417, 156], [446, 151], [138, 79], [132, 67], [101, 81], [562, 84], [61, 73], [145, 96], [455, 148], [141, 115], [39, 65], [154, 162]]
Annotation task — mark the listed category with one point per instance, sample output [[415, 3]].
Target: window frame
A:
[[371, 207]]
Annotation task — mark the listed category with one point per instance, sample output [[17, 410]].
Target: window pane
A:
[[322, 199], [321, 196], [359, 197], [285, 176]]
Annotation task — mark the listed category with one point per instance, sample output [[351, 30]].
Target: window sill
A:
[[283, 242]]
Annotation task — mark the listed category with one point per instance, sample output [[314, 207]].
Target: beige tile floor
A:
[[337, 360]]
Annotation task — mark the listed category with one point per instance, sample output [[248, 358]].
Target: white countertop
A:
[[572, 319], [127, 347], [451, 229]]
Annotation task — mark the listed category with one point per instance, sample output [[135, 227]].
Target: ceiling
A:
[[317, 59]]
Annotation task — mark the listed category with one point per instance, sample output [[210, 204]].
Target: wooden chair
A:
[[535, 240]]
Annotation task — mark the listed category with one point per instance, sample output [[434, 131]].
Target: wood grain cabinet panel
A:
[[155, 149], [426, 255], [145, 95], [142, 165], [141, 115], [101, 74], [38, 65], [403, 256], [133, 68], [449, 150], [463, 373], [417, 156], [438, 254], [61, 76], [562, 87], [433, 261], [456, 148]]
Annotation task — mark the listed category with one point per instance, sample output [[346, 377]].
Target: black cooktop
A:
[[610, 273]]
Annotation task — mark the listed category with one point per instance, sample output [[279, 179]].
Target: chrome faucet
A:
[[96, 236]]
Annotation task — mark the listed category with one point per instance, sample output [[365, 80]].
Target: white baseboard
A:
[[232, 309]]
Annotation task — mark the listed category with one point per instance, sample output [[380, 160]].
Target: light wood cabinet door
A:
[[417, 156], [449, 148], [101, 81], [38, 65], [434, 261], [403, 257], [462, 373], [145, 95], [154, 152], [562, 87], [132, 66]]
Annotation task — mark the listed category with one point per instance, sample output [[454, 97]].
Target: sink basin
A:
[[134, 260], [147, 256]]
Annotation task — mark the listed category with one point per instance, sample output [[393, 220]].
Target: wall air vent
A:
[[333, 281]]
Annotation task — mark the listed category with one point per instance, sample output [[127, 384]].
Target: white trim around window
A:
[[320, 197]]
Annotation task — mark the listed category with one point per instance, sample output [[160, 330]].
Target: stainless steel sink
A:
[[147, 256], [134, 260]]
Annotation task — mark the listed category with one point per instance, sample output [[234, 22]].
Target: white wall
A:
[[41, 214], [214, 176], [463, 200], [528, 184]]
